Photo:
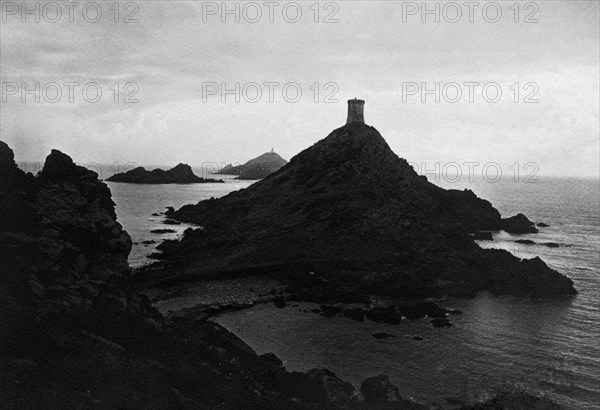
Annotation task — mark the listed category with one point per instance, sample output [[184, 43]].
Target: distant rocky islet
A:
[[180, 174], [256, 168]]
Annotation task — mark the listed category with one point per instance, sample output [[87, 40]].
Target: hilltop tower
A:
[[355, 111]]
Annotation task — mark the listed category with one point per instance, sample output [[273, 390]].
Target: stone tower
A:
[[355, 111]]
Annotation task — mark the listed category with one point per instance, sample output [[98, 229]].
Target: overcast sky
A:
[[369, 53]]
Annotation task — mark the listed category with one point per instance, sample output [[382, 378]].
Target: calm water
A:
[[549, 348], [136, 204]]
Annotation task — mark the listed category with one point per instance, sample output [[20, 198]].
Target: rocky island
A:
[[256, 168], [180, 174], [361, 221]]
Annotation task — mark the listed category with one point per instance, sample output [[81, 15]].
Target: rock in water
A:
[[382, 335], [349, 208], [518, 224], [483, 236], [181, 174]]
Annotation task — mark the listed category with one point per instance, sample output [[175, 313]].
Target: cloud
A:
[[369, 53]]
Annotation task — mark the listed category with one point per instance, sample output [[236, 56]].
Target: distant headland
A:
[[256, 168]]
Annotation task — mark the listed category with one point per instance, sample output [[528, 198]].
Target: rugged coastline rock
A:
[[64, 222], [180, 174], [75, 333], [515, 400], [360, 219]]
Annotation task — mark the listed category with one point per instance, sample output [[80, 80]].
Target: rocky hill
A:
[[352, 212], [257, 168], [180, 174]]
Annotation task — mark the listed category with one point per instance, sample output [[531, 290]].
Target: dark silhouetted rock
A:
[[382, 335], [171, 222], [386, 314], [330, 311], [65, 223], [271, 358], [542, 225], [441, 323], [181, 174], [551, 244], [357, 314], [161, 231], [279, 302], [518, 224], [483, 236], [525, 241]]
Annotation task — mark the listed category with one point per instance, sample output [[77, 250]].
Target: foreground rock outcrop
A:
[[361, 220], [60, 225], [180, 174]]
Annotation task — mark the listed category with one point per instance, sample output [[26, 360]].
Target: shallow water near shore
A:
[[549, 348]]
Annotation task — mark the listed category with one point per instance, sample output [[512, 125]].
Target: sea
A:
[[550, 348]]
